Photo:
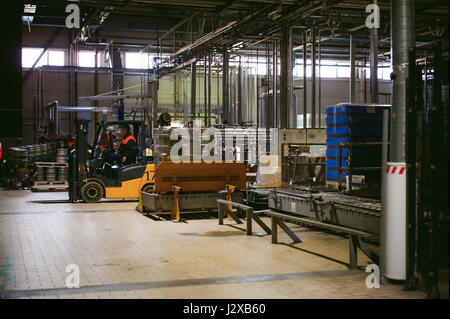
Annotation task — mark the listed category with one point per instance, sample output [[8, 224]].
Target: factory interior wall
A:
[[56, 86]]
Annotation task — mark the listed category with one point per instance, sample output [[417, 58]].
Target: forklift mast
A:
[[77, 160]]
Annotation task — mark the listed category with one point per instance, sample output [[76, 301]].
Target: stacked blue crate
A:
[[352, 123]]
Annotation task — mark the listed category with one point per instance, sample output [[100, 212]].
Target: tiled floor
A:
[[122, 254]]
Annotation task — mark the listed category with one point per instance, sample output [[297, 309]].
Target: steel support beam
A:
[[275, 109], [374, 65], [193, 89], [319, 101], [209, 88], [313, 78], [352, 92], [305, 87], [205, 88], [286, 78], [225, 88]]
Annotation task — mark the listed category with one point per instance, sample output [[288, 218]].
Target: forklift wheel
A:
[[91, 192]]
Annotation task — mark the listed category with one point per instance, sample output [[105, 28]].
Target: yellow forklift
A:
[[92, 178]]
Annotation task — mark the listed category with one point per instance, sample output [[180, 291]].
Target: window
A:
[[30, 55], [327, 71], [384, 71], [137, 60], [298, 70], [50, 57], [56, 57], [86, 59], [343, 70]]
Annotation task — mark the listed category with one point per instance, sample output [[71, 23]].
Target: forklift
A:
[[92, 178]]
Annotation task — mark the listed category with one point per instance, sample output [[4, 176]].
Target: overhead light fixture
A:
[[27, 19], [237, 44], [29, 8]]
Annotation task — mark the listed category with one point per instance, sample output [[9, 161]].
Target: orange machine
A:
[[199, 177], [193, 186]]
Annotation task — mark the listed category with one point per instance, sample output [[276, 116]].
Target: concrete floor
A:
[[122, 254]]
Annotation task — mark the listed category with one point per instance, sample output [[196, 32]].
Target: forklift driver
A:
[[108, 143], [127, 151]]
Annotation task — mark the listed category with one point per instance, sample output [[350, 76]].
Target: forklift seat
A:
[[132, 171], [115, 172]]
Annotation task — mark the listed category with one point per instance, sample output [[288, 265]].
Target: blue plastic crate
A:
[[352, 123], [355, 131], [335, 163], [333, 175], [334, 119], [346, 108]]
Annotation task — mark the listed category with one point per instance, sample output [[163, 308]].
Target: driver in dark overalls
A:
[[127, 152]]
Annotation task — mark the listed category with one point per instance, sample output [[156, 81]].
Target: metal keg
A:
[[47, 154], [62, 174], [43, 152], [52, 152], [50, 174], [39, 152], [39, 177], [32, 152], [18, 155], [29, 149], [61, 155]]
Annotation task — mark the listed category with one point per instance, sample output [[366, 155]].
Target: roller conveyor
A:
[[329, 207]]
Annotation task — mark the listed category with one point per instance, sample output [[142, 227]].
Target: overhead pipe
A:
[[402, 39], [239, 107], [395, 210]]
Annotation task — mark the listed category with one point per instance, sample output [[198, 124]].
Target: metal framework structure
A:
[[185, 26]]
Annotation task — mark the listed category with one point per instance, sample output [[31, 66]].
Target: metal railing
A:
[[278, 219]]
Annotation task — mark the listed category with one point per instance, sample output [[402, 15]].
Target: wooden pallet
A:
[[46, 186], [51, 164]]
